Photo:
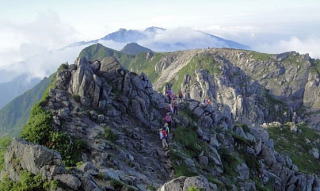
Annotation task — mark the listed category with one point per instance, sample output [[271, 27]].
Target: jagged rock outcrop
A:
[[38, 159]]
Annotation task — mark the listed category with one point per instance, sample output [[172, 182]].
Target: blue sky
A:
[[34, 27], [94, 18]]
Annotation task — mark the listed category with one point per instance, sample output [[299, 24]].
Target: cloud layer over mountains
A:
[[34, 47], [26, 47]]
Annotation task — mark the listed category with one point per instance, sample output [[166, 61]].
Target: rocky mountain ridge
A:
[[256, 87], [115, 115]]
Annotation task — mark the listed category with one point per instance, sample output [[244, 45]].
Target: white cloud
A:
[[181, 38], [310, 45], [27, 47]]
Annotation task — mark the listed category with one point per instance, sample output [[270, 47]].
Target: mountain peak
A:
[[134, 49], [97, 52], [154, 29], [124, 36]]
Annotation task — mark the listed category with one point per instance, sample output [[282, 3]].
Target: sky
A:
[[33, 27]]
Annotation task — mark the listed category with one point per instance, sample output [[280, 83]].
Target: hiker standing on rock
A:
[[207, 101], [163, 137], [166, 127]]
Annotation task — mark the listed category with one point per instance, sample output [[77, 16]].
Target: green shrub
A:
[[183, 170], [109, 135], [241, 140], [69, 147], [42, 133], [4, 143], [230, 161], [188, 138], [39, 130], [63, 67], [28, 182], [180, 169], [151, 188], [193, 188], [215, 181], [119, 185], [243, 126], [38, 127]]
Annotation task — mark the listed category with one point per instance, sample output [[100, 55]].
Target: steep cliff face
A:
[[116, 115]]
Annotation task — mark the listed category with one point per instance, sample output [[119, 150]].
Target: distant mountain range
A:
[[15, 114], [163, 40], [15, 87]]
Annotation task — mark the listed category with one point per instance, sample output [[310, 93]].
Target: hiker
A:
[[175, 107], [168, 119], [171, 108], [163, 136], [207, 101], [166, 126]]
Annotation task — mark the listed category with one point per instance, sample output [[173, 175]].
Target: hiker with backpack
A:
[[163, 137]]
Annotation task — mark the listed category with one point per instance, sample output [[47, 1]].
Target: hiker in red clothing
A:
[[207, 101], [163, 136]]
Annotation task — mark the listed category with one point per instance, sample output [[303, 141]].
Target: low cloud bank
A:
[[310, 45], [27, 47]]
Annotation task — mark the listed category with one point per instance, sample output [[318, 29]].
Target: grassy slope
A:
[[134, 49], [198, 62], [15, 114], [98, 52], [297, 146]]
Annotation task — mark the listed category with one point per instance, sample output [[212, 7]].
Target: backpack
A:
[[164, 133]]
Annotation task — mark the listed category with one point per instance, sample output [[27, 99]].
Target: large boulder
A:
[[185, 183], [36, 159]]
